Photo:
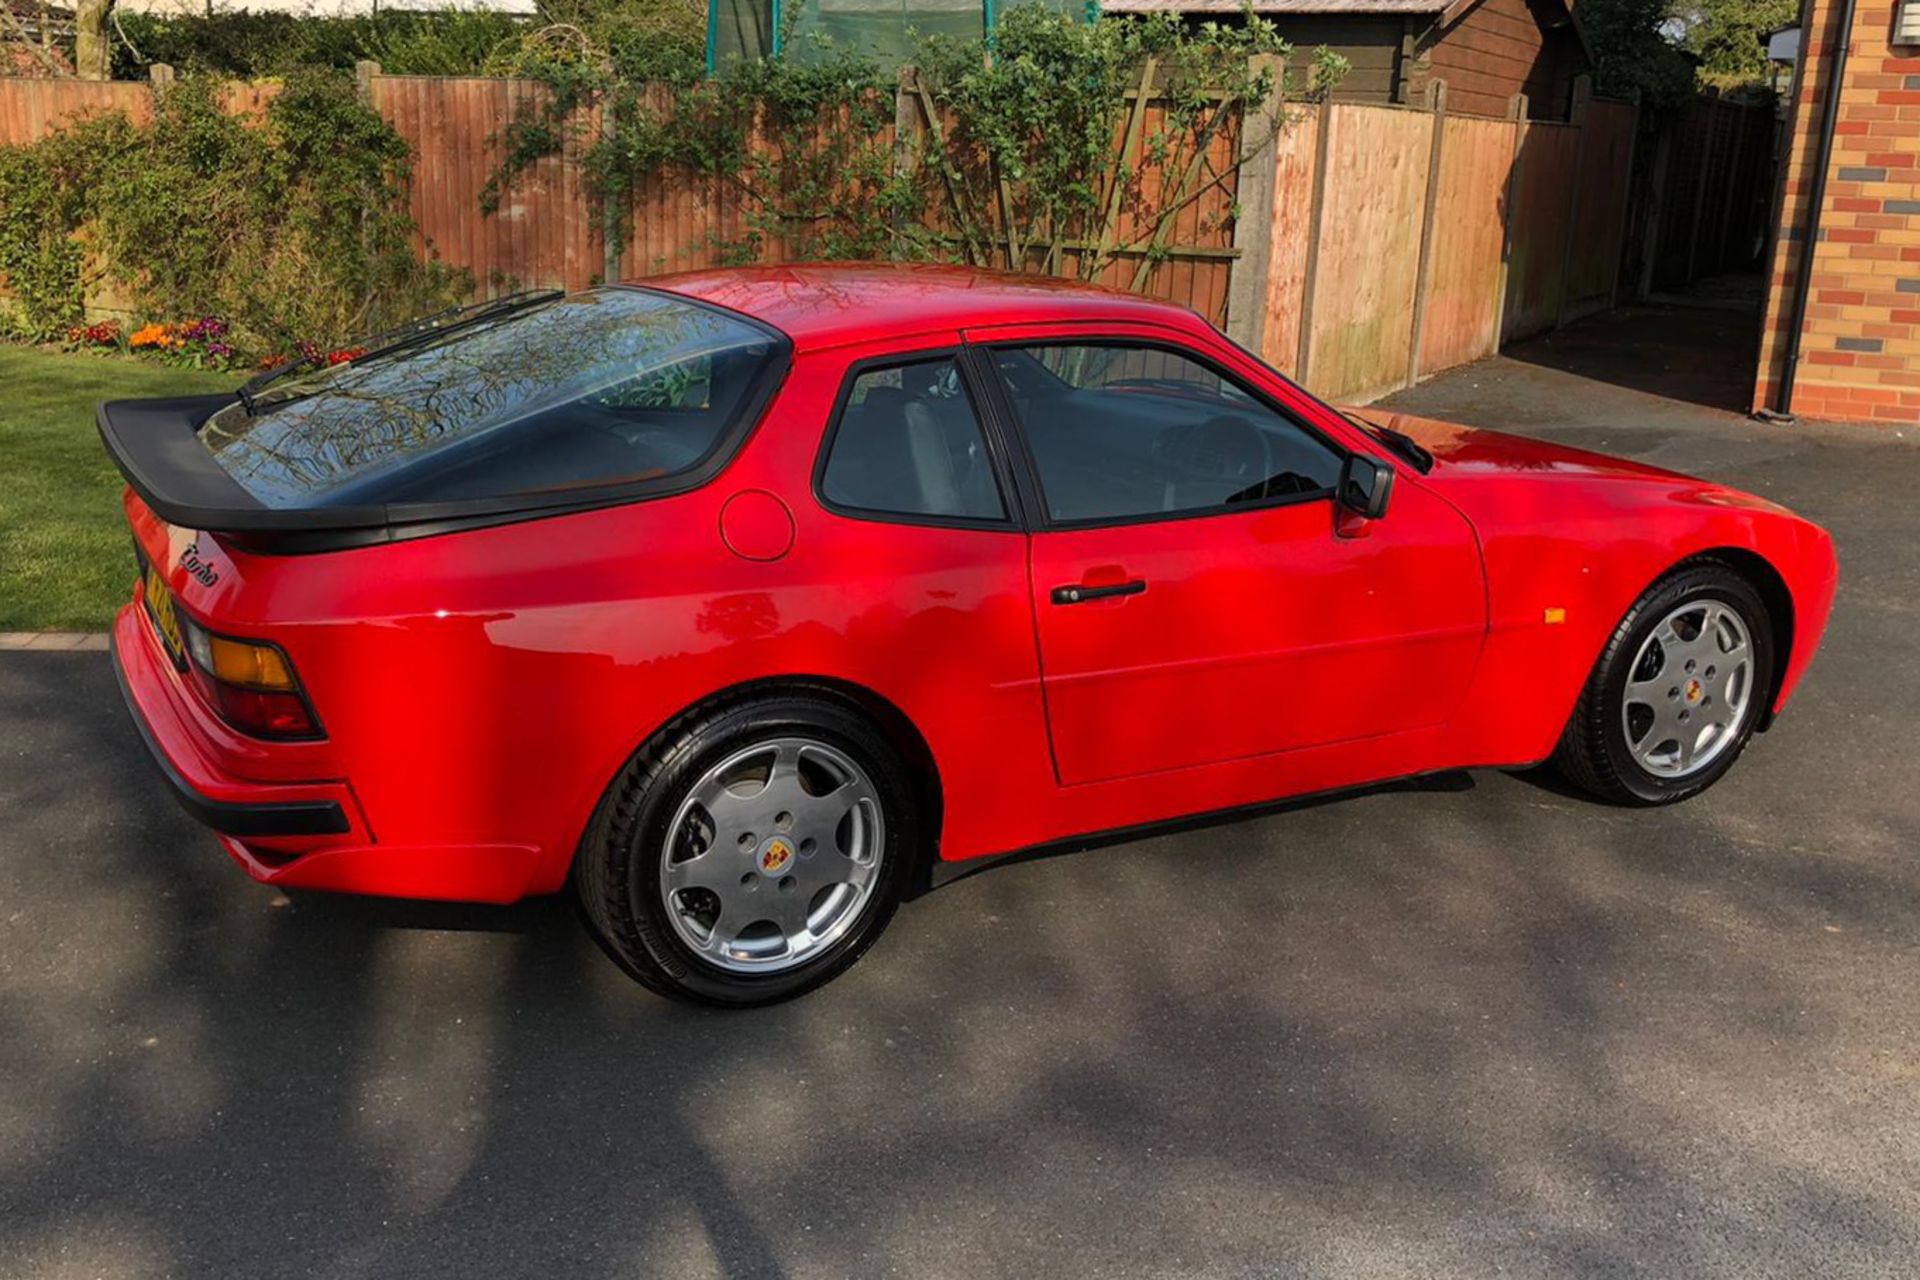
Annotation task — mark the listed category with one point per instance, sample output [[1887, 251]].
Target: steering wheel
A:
[[1225, 448]]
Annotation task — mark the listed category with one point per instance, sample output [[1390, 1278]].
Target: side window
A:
[[908, 443], [1124, 431]]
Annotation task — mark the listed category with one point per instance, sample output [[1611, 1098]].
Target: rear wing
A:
[[157, 447]]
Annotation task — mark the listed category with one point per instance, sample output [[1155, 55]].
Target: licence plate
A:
[[160, 608]]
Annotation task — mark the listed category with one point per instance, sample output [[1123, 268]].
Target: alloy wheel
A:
[[772, 855], [1688, 689]]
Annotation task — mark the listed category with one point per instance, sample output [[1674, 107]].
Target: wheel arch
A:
[[881, 711], [1767, 580]]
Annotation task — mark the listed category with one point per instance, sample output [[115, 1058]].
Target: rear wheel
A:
[[1677, 691], [751, 852]]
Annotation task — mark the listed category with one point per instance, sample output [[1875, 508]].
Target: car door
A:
[[1197, 598]]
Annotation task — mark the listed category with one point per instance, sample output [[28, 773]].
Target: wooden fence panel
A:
[[1540, 204], [30, 108], [1600, 209], [543, 235], [1749, 207], [1553, 209], [670, 225], [679, 223], [1709, 204], [1462, 317], [546, 232], [1374, 197], [1726, 123], [1200, 236], [1294, 152], [249, 99], [1683, 205]]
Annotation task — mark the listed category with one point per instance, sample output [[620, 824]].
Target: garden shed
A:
[[1486, 50]]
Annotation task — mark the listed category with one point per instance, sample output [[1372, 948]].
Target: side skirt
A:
[[1441, 780]]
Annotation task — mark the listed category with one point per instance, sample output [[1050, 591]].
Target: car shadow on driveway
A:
[[1455, 1030]]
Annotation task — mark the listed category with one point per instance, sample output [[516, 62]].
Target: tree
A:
[[92, 49], [1629, 51], [1726, 36]]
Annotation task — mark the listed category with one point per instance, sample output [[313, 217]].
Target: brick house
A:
[[1858, 354]]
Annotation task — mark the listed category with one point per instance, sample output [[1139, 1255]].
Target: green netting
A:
[[884, 29]]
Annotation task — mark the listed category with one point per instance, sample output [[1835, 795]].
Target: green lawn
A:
[[65, 559]]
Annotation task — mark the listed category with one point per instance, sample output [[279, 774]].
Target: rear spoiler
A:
[[156, 445]]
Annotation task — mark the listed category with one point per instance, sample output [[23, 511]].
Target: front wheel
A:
[[1677, 691], [751, 852]]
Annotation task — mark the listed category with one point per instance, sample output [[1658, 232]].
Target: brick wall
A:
[[1860, 353]]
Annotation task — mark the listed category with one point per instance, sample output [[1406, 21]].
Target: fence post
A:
[[1582, 95], [1656, 209], [906, 138], [363, 73], [161, 74], [1305, 352], [1422, 272], [1253, 224], [906, 118], [1516, 112]]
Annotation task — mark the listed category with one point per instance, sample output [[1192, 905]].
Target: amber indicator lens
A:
[[250, 685], [254, 666]]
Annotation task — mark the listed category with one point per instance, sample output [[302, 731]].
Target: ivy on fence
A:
[[1035, 156]]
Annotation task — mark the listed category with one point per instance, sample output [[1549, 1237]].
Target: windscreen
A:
[[610, 387]]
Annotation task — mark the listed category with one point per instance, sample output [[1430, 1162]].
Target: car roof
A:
[[833, 304]]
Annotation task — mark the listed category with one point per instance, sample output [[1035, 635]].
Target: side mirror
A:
[[1365, 485]]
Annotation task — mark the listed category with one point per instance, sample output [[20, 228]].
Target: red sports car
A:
[[742, 598]]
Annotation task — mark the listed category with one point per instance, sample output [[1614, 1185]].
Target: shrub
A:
[[290, 227], [641, 34], [253, 45], [45, 198]]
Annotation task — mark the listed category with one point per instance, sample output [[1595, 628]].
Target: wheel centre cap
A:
[[1693, 691], [775, 856]]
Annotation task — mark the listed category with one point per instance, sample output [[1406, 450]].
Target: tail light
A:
[[249, 683]]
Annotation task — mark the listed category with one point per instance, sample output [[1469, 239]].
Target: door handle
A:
[[1080, 593]]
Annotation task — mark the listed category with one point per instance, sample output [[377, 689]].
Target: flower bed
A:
[[197, 344]]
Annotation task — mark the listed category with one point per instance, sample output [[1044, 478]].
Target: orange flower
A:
[[153, 335]]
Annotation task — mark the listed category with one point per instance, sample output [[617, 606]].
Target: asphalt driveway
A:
[[1476, 1028]]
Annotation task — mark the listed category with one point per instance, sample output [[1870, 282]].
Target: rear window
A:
[[610, 387]]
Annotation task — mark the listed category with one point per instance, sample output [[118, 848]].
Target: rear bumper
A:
[[230, 805], [233, 817], [303, 835]]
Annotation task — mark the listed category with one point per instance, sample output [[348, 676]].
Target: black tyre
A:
[[1677, 691], [750, 851]]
